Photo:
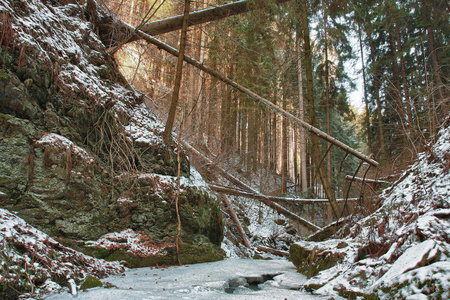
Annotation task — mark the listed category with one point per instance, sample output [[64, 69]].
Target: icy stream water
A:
[[228, 279]]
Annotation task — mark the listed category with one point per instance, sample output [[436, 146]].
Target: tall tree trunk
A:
[[311, 110], [303, 157], [284, 151], [377, 84], [327, 92], [396, 91], [176, 89], [366, 101], [404, 81]]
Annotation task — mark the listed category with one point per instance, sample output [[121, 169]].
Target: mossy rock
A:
[[189, 254], [91, 282], [310, 262]]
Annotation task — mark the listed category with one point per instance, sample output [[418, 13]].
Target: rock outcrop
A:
[[80, 155]]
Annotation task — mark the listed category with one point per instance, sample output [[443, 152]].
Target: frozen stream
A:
[[227, 279]]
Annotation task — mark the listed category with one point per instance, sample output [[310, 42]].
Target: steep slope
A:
[[402, 249], [81, 157]]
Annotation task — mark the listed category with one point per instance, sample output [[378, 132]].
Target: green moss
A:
[[258, 256], [91, 282], [357, 295], [5, 117], [301, 258], [189, 254], [4, 76]]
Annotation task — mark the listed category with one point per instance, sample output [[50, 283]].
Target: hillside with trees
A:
[[161, 133]]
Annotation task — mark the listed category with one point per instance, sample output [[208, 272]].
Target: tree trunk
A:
[[366, 101], [176, 90], [405, 81], [311, 110], [303, 158], [327, 96], [235, 220], [284, 152], [204, 16], [377, 84]]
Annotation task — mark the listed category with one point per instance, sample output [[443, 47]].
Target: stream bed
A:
[[228, 279]]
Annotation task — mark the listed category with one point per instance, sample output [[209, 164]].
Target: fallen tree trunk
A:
[[113, 30], [204, 16], [258, 98], [247, 194], [366, 180], [273, 251], [235, 220], [278, 208]]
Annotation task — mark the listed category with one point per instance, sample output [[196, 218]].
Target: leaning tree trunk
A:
[[176, 90]]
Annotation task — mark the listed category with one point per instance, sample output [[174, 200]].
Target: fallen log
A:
[[235, 220], [366, 180], [113, 31], [204, 16], [247, 194], [278, 208], [273, 251]]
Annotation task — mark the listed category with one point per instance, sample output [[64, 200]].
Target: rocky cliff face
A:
[[80, 155]]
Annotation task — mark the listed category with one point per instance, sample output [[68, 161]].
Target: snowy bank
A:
[[400, 250], [32, 262]]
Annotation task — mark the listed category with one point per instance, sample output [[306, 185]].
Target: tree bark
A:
[[366, 101], [377, 83], [273, 251]]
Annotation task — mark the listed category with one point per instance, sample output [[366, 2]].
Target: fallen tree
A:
[[366, 180], [113, 31], [235, 220], [278, 208], [247, 194]]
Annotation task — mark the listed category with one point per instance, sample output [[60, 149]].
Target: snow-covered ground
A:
[[203, 281]]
